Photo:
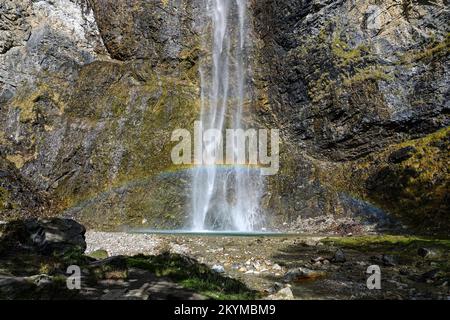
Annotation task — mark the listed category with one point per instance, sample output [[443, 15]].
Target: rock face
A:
[[155, 30], [345, 80], [18, 197], [90, 91], [88, 130], [44, 37], [345, 83]]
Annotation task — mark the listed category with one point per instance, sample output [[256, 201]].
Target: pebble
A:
[[276, 267], [218, 268], [339, 256]]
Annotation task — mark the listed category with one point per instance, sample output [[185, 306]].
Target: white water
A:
[[225, 198]]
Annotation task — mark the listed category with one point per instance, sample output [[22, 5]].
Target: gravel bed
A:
[[119, 243]]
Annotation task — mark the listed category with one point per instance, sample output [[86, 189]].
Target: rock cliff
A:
[[90, 91]]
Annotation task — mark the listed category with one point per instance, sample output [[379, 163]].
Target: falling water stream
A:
[[225, 197]]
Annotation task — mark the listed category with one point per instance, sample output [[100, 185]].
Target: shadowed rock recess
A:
[[90, 91]]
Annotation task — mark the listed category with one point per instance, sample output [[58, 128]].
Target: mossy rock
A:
[[99, 254]]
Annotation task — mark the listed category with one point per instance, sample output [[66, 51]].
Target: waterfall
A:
[[225, 197]]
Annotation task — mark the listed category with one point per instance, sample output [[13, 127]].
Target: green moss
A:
[[137, 106], [321, 88], [371, 73], [414, 189], [437, 50], [99, 254], [344, 53], [192, 275], [387, 240], [5, 196], [346, 66], [417, 188]]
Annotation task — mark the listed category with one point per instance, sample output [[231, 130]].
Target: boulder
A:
[[283, 294], [44, 236], [427, 253]]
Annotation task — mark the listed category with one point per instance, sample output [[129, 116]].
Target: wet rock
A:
[[339, 257], [358, 122], [299, 274], [18, 196]]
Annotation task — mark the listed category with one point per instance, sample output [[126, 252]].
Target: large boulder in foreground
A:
[[45, 236]]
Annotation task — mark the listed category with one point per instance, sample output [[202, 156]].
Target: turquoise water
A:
[[216, 233]]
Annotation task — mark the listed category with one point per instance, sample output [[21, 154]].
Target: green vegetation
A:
[[370, 73], [345, 54], [131, 109], [4, 198], [192, 275], [416, 189], [434, 51], [349, 66], [387, 240]]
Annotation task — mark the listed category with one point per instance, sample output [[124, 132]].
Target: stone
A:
[[99, 254], [429, 276], [339, 256], [46, 236], [276, 267], [218, 268], [299, 274], [63, 137], [373, 18], [349, 125], [15, 287], [427, 253], [283, 294], [56, 235], [388, 260], [318, 259]]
